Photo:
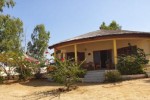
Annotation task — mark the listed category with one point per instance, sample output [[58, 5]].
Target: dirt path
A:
[[127, 90]]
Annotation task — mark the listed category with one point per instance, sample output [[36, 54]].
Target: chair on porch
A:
[[97, 66], [89, 66]]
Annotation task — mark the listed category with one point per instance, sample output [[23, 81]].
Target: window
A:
[[127, 50]]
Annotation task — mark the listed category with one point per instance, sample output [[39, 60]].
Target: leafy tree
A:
[[66, 72], [38, 45], [10, 33], [103, 26], [112, 26], [4, 3], [11, 29]]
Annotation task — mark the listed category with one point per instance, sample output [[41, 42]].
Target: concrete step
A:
[[89, 81], [94, 76], [95, 72], [94, 80]]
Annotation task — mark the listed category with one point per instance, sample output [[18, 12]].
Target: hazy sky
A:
[[68, 18]]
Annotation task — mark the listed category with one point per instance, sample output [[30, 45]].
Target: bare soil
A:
[[43, 90]]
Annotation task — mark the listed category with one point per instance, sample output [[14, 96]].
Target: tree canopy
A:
[[39, 43], [10, 29], [8, 3], [11, 55], [10, 33], [112, 26]]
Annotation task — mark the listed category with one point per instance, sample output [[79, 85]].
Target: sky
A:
[[69, 18]]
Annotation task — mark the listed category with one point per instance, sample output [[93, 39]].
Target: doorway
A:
[[102, 59], [103, 56]]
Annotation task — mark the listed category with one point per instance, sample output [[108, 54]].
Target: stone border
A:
[[136, 76]]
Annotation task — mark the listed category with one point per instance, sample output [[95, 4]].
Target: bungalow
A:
[[101, 48]]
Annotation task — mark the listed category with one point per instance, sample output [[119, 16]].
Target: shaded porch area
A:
[[100, 54]]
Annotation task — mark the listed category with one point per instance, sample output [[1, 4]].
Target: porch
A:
[[100, 54]]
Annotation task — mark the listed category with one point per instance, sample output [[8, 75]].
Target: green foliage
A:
[[8, 3], [25, 68], [112, 26], [15, 60], [37, 69], [82, 73], [103, 26], [66, 72], [7, 59], [10, 29], [24, 73], [10, 33], [1, 79], [39, 43], [112, 76], [51, 68], [133, 63]]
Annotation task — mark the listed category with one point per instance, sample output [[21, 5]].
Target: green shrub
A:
[[82, 73], [1, 80], [112, 76], [67, 72], [128, 66], [51, 68], [38, 75], [24, 73], [133, 63]]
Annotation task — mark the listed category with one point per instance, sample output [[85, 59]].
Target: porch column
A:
[[54, 52], [75, 53], [115, 52]]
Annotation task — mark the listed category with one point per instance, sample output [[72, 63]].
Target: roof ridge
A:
[[100, 33]]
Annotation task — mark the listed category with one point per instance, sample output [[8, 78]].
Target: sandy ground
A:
[[41, 90]]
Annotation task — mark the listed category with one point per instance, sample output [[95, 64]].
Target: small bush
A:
[[67, 73], [112, 76], [51, 68], [38, 75], [82, 73], [132, 63], [1, 80], [24, 73]]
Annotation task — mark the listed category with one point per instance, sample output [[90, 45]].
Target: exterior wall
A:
[[64, 50], [107, 45], [95, 46], [141, 43]]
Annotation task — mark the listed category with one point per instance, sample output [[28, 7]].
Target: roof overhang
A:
[[131, 35]]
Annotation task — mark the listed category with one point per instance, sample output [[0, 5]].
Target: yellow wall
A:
[[95, 46], [141, 43], [105, 45]]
